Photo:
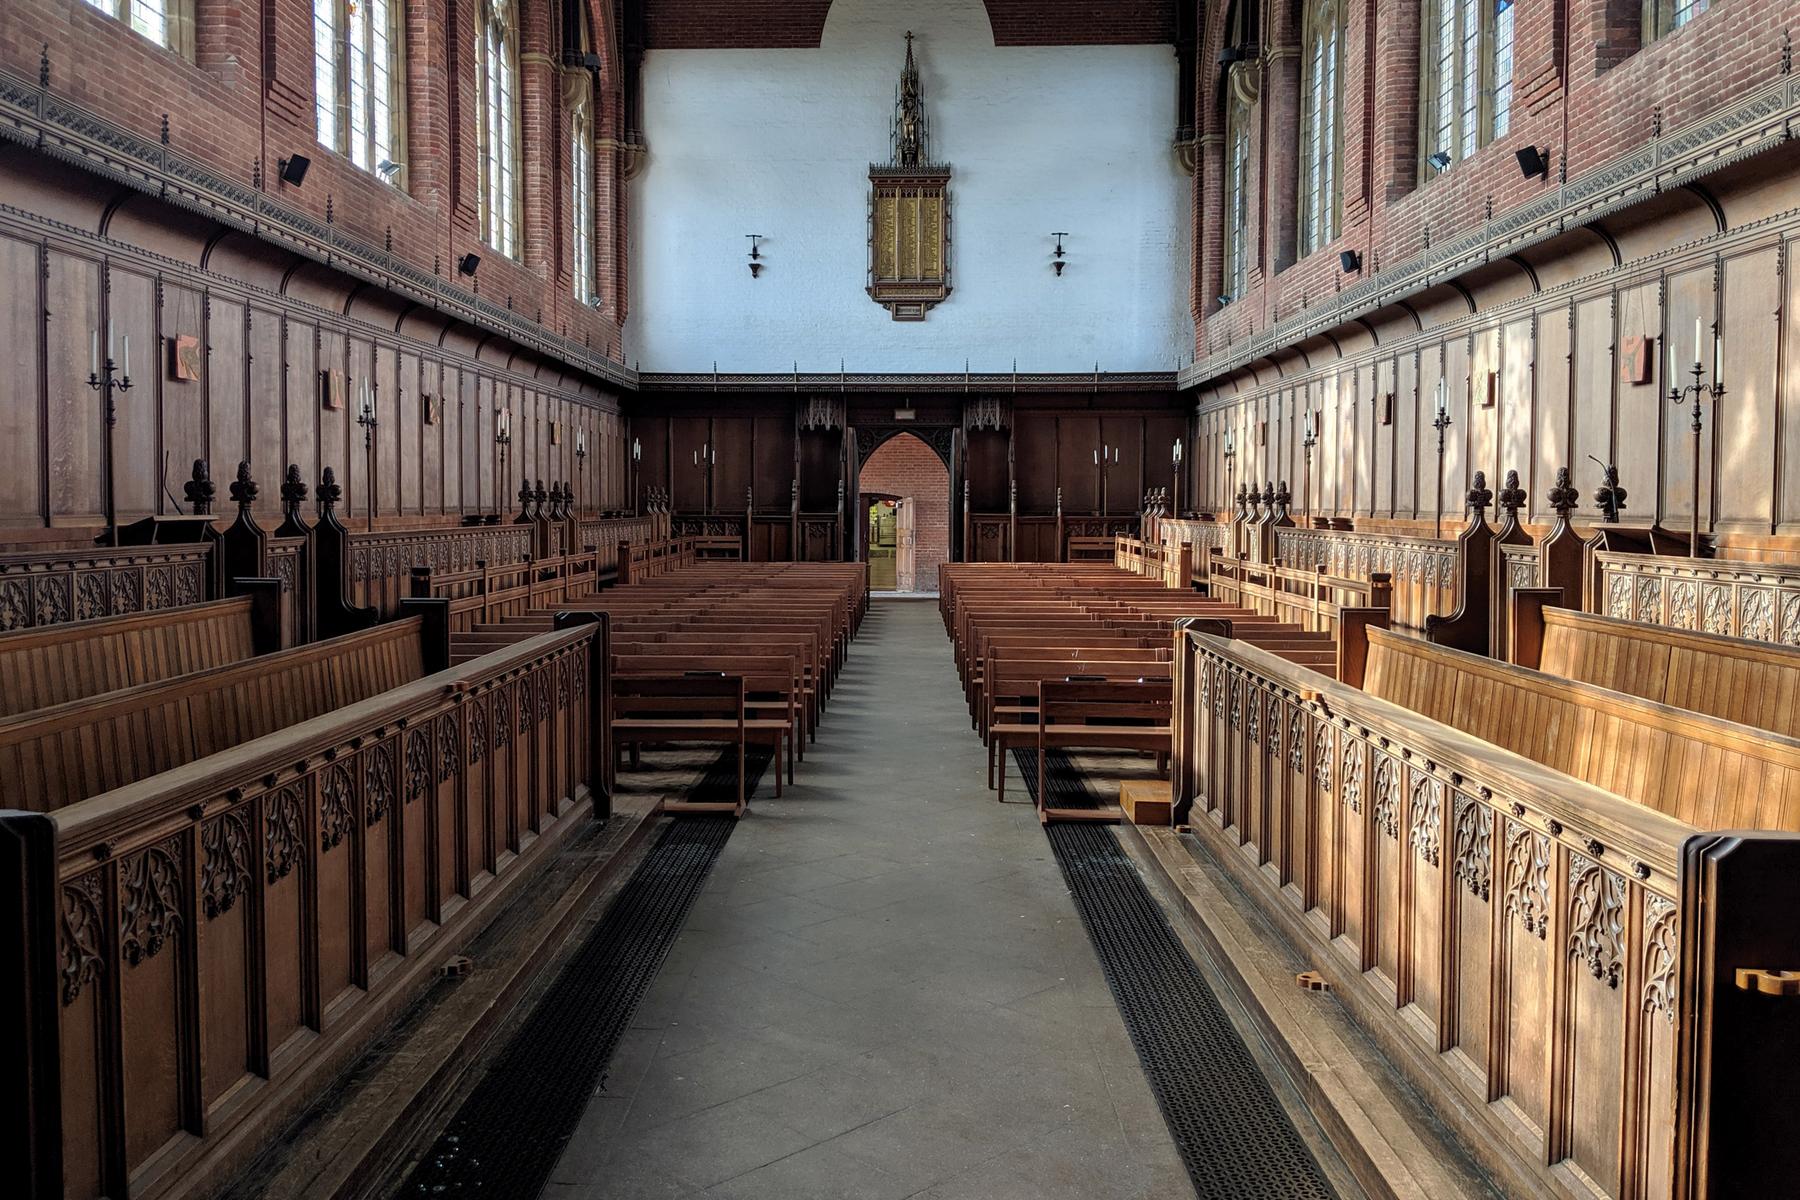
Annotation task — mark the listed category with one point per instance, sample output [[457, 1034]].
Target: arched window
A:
[[357, 82], [1467, 69], [1666, 16], [497, 123], [164, 22], [1321, 122], [1242, 85], [581, 202]]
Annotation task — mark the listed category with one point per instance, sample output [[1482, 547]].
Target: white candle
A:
[[1443, 396], [94, 359], [1096, 458], [128, 356], [1115, 454], [1696, 339]]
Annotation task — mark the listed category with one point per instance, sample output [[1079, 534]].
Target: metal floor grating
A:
[[1233, 1135], [511, 1130]]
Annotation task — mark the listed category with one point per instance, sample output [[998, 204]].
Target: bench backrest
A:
[[1063, 703], [55, 664], [1695, 768], [690, 697], [57, 756], [1752, 683]]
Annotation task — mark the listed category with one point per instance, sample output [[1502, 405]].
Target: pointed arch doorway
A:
[[904, 494]]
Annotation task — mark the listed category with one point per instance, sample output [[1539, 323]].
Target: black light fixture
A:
[[1533, 162], [293, 169], [1351, 261], [387, 167], [1439, 160], [467, 263], [756, 263], [1059, 264], [1224, 299]]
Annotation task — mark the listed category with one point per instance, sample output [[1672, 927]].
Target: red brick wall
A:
[[247, 99], [1583, 90], [905, 467], [799, 24]]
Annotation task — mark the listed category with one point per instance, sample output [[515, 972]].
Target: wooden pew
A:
[[1097, 715], [1751, 683], [53, 757], [56, 664], [252, 920], [704, 707], [1505, 877], [770, 701]]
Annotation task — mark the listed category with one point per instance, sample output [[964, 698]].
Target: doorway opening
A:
[[905, 492]]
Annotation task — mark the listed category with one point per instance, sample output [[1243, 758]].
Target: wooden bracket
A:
[[1769, 983]]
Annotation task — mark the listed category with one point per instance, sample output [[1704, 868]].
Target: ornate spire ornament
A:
[[911, 135], [909, 210]]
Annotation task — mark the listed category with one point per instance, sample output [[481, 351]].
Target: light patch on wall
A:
[[780, 141]]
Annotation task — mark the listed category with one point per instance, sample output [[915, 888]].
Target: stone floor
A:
[[884, 991]]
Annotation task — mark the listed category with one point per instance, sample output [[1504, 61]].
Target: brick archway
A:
[[904, 467]]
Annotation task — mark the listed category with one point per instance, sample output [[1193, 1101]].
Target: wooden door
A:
[[906, 540]]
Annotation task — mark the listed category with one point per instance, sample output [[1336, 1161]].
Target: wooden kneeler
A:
[[706, 709]]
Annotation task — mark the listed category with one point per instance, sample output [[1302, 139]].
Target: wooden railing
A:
[[1422, 571], [487, 594], [1311, 599], [639, 561], [53, 586], [191, 958], [1759, 601], [1511, 936]]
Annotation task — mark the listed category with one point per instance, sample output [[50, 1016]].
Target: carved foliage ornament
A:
[[150, 902], [81, 934], [1473, 847], [1528, 878], [1662, 957], [1596, 918], [1427, 812], [225, 862]]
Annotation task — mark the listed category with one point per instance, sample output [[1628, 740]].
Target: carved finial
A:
[[1512, 496], [200, 489], [1563, 496], [293, 488], [329, 492], [165, 129], [1268, 496], [539, 496], [243, 489], [1479, 495], [911, 135], [525, 497], [1284, 495], [44, 66], [1609, 496], [1787, 52]]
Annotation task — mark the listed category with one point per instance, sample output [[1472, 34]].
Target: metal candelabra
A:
[[1696, 391], [367, 419], [106, 379]]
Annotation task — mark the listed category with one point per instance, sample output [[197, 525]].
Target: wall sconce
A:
[[1224, 299], [756, 263], [292, 169], [1351, 261], [1059, 264], [467, 263], [1439, 160], [1533, 162]]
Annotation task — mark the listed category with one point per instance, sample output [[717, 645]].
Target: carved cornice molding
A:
[[1758, 122], [36, 117], [946, 383]]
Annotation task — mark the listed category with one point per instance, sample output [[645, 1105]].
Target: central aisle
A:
[[884, 990]]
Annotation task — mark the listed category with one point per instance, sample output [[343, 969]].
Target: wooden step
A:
[[1145, 801]]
